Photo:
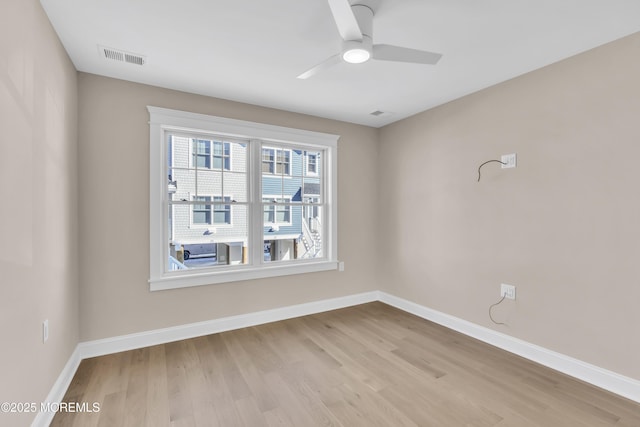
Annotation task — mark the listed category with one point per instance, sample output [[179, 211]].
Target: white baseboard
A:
[[43, 419], [191, 330], [608, 380]]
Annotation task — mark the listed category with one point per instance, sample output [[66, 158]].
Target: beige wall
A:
[[114, 215], [564, 226], [38, 195]]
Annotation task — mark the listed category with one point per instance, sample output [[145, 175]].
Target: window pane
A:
[[222, 155], [267, 155], [268, 161], [201, 217], [221, 216], [218, 148], [269, 211], [283, 214], [312, 162], [201, 212], [201, 153], [217, 162], [217, 245], [221, 213], [283, 162]]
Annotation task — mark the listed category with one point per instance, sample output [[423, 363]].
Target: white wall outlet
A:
[[341, 266], [45, 331], [508, 161], [508, 291]]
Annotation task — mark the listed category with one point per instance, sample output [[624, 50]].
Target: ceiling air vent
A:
[[121, 55], [379, 113]]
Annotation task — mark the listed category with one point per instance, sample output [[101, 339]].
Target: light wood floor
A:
[[370, 365]]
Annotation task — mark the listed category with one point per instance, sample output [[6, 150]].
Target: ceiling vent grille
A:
[[121, 55], [379, 113]]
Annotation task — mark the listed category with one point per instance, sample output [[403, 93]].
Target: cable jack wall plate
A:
[[507, 291], [508, 161]]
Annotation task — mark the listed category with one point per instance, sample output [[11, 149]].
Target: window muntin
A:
[[214, 183]]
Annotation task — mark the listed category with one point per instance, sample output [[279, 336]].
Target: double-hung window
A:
[[244, 201]]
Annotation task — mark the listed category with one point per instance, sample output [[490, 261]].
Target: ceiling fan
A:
[[355, 25]]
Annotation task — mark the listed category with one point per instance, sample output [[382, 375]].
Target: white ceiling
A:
[[252, 50]]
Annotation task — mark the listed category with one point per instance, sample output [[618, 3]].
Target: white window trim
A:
[[163, 120]]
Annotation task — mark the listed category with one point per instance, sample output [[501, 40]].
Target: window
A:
[[276, 161], [202, 213], [207, 154], [276, 210], [254, 200], [312, 163], [222, 213]]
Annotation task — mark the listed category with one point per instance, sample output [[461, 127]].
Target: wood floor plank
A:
[[157, 389], [368, 365], [250, 413], [250, 372], [136, 391]]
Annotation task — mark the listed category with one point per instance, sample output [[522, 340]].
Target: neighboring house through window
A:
[[248, 195]]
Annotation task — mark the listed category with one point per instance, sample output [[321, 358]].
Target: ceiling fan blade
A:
[[386, 52], [345, 20], [324, 65]]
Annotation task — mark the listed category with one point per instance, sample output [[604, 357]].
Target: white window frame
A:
[[162, 121]]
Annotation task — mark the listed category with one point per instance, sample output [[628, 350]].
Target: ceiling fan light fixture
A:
[[357, 51], [356, 56]]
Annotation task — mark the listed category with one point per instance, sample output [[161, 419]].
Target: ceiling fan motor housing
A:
[[358, 51]]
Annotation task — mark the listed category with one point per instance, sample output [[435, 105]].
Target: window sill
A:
[[201, 278]]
